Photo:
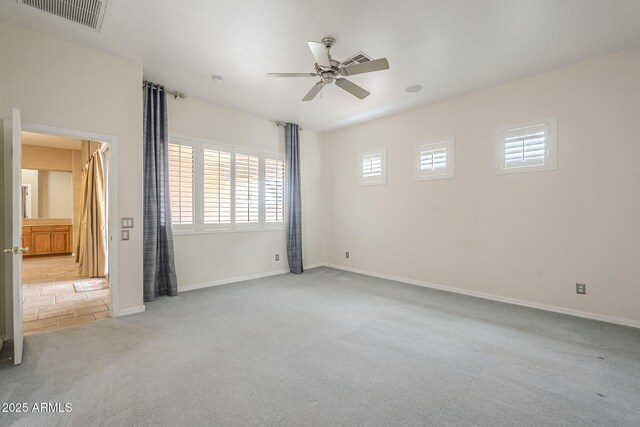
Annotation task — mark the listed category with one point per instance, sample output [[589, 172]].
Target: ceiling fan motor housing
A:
[[328, 42], [329, 74]]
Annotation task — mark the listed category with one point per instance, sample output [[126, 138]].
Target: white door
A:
[[14, 137]]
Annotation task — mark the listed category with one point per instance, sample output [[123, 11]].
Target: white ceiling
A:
[[450, 47]]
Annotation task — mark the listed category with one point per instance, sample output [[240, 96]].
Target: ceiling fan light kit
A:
[[332, 71]]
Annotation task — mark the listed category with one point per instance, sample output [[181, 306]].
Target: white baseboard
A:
[[310, 266], [185, 288], [570, 312], [130, 310]]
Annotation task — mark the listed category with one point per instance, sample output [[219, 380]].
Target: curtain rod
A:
[[284, 124], [175, 93]]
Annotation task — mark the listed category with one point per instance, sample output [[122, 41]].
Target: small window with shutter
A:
[[373, 168], [181, 183], [526, 147], [434, 160]]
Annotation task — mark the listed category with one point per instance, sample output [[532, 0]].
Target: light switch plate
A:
[[124, 234], [126, 222]]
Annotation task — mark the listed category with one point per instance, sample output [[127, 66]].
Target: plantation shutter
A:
[[372, 165], [181, 178], [247, 188], [525, 147], [274, 190], [433, 160], [217, 187]]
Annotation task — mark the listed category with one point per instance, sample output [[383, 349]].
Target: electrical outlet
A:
[[277, 257], [346, 254], [581, 288]]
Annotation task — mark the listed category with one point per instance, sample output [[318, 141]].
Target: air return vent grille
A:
[[84, 12], [358, 58]]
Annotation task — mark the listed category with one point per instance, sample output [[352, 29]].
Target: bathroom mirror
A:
[[47, 194]]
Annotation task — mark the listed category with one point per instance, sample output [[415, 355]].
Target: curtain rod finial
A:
[[284, 124]]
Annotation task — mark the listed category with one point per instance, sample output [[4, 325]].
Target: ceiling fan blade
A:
[[352, 88], [365, 67], [291, 74], [314, 91], [320, 53]]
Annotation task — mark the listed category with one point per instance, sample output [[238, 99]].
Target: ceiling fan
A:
[[330, 70]]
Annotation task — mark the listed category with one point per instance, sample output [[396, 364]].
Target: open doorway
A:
[[65, 274]]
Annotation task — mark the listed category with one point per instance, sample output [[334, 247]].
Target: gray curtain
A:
[[158, 258], [292, 192]]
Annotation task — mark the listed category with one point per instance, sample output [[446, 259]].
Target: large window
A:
[[215, 187]]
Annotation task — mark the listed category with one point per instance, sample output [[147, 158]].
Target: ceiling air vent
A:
[[84, 12], [358, 58]]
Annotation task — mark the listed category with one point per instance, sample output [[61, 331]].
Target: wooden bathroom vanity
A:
[[47, 236]]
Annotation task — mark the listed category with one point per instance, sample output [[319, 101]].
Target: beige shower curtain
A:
[[92, 243]]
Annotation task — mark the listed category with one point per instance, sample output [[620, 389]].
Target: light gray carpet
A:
[[331, 348]]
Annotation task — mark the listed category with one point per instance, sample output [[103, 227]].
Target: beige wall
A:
[[216, 257], [46, 158], [57, 83], [527, 236], [55, 195]]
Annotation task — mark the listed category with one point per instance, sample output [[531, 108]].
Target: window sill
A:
[[524, 169], [433, 177], [225, 231], [370, 183]]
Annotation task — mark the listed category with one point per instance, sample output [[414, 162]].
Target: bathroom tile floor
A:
[[49, 299]]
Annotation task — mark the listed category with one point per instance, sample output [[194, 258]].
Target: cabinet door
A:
[[26, 243], [41, 242], [60, 242]]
